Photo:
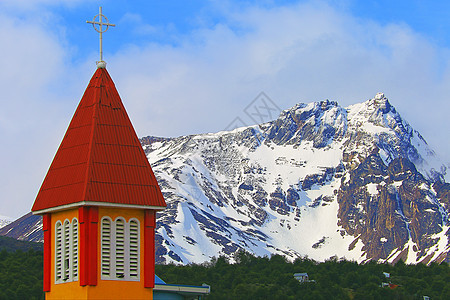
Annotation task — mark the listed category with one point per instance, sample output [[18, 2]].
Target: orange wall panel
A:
[[105, 289]]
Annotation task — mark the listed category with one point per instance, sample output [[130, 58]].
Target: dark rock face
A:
[[278, 202], [385, 206], [319, 179], [443, 193], [292, 197]]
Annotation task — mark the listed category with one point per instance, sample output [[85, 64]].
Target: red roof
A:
[[100, 160]]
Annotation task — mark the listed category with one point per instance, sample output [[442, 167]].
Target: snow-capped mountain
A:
[[5, 221], [321, 180]]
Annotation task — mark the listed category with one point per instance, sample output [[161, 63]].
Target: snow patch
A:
[[372, 189], [5, 221]]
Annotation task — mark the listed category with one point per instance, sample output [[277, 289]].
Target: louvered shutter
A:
[[134, 249], [106, 247], [66, 251], [120, 248], [74, 249], [58, 250]]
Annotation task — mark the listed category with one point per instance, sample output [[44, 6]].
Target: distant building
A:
[[164, 291], [389, 285], [301, 277]]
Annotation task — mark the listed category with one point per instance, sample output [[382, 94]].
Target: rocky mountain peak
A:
[[382, 102], [320, 180]]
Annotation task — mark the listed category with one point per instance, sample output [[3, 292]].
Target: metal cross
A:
[[100, 29]]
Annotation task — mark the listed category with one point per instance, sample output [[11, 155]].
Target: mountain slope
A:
[[321, 180], [26, 228]]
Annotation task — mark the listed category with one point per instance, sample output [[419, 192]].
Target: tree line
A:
[[272, 278], [252, 277]]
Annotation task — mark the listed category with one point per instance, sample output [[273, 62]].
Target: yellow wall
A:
[[105, 289]]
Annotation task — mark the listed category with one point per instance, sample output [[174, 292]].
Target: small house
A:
[[301, 277]]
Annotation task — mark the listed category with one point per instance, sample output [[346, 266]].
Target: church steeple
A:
[[99, 201], [100, 160]]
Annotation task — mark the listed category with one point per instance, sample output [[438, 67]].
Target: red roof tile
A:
[[100, 158]]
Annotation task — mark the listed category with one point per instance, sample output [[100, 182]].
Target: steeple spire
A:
[[100, 29], [100, 160]]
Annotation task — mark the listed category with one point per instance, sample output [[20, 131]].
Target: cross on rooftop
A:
[[100, 29]]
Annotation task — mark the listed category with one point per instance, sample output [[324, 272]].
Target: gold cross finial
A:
[[100, 29]]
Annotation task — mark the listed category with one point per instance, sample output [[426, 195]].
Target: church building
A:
[[98, 202]]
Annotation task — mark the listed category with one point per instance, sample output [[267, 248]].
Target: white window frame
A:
[[113, 250], [105, 247], [66, 251]]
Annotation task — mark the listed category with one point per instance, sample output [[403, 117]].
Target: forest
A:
[[272, 278], [21, 274], [253, 277]]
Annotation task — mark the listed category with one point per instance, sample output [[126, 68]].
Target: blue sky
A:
[[185, 67]]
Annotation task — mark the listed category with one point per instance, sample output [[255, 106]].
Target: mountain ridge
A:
[[319, 181], [283, 169]]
